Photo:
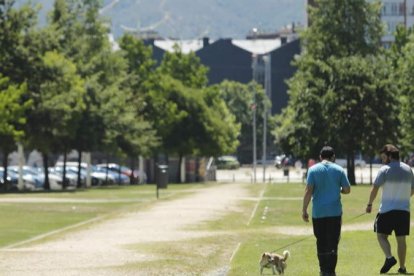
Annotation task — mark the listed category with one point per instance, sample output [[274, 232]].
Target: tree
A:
[[16, 26], [189, 121], [57, 106], [327, 94], [240, 100], [140, 66], [184, 67], [221, 129], [140, 62], [404, 77], [367, 97], [12, 118], [110, 121]]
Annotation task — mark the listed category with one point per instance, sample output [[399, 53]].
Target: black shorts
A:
[[396, 220]]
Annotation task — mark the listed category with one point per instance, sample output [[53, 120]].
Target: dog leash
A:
[[309, 236]]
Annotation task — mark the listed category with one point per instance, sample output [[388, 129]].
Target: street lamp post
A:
[[254, 105], [267, 84]]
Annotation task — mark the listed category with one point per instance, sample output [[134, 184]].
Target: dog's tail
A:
[[286, 255]]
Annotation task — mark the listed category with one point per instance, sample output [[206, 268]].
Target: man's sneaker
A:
[[402, 270], [388, 264]]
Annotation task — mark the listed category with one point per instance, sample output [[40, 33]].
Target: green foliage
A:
[[109, 121], [338, 94], [16, 25], [57, 103], [402, 37], [240, 99], [140, 65], [221, 125], [184, 67], [188, 120], [343, 28], [404, 78], [140, 62], [12, 114]]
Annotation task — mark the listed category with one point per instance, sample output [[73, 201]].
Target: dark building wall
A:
[[229, 62], [157, 53], [226, 61], [282, 70]]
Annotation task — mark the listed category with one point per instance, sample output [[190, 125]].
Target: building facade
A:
[[394, 13], [232, 59]]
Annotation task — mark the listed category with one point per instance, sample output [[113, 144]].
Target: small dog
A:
[[274, 261]]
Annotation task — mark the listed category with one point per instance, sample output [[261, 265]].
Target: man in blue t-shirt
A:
[[397, 182], [324, 185]]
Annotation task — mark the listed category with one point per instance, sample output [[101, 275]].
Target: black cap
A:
[[327, 152]]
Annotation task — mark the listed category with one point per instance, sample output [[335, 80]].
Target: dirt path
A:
[[98, 248]]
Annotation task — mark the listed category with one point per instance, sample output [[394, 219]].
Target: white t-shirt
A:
[[396, 180]]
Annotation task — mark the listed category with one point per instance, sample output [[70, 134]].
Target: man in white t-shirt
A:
[[397, 182]]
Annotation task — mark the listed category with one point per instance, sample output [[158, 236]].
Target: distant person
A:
[[397, 182], [311, 162], [298, 165], [286, 162], [142, 177], [325, 183]]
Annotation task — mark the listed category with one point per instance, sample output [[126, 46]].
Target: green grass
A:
[[359, 252], [23, 220], [241, 236], [234, 242]]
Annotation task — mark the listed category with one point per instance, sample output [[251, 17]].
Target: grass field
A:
[[24, 216], [266, 220], [281, 205]]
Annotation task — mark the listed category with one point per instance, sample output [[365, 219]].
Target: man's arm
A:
[[345, 186], [306, 199], [345, 190], [372, 196]]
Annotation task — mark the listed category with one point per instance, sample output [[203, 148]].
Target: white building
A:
[[394, 13]]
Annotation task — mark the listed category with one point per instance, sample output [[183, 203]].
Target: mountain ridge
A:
[[189, 19]]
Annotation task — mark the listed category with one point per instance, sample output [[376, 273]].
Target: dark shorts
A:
[[397, 221]]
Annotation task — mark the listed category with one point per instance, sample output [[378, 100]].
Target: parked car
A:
[[71, 176], [227, 162], [12, 178], [32, 178], [117, 168], [359, 163], [99, 174], [283, 161], [112, 176]]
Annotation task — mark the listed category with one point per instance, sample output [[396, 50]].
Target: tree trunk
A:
[[79, 184], [46, 169], [132, 167], [180, 159], [119, 173], [64, 170], [370, 171], [5, 164], [350, 166], [106, 171]]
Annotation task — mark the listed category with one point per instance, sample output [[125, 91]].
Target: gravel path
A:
[[99, 247]]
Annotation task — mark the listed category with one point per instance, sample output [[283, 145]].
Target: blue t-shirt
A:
[[326, 178]]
